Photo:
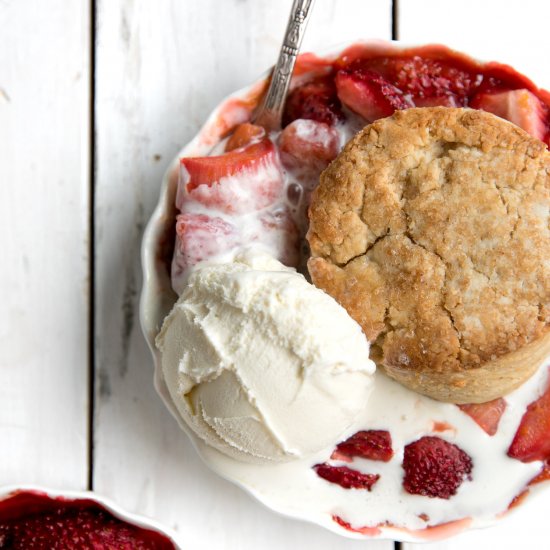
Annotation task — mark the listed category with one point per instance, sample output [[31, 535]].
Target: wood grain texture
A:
[[161, 68], [44, 217], [515, 33]]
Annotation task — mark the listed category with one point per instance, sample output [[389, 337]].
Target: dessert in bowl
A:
[[33, 518], [271, 377]]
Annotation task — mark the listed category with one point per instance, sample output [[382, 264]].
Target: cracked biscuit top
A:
[[432, 229]]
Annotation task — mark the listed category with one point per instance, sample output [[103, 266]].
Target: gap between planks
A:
[[91, 251], [395, 20]]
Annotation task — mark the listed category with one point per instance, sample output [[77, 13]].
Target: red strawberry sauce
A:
[[32, 520], [330, 99]]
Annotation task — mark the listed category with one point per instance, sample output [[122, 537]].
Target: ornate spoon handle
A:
[[270, 112]]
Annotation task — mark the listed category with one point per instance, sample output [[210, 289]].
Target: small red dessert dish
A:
[[38, 519]]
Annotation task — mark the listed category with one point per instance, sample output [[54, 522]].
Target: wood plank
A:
[[515, 33], [161, 68], [44, 217]]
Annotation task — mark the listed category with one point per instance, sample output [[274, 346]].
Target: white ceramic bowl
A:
[[9, 491], [157, 298]]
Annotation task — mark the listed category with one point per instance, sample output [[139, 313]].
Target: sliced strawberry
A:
[[532, 439], [200, 237], [371, 444], [434, 78], [314, 100], [237, 182], [434, 467], [280, 234], [244, 135], [369, 94], [428, 81], [209, 170], [307, 147], [486, 415], [518, 106], [346, 477]]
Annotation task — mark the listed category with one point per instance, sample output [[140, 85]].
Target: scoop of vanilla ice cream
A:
[[260, 363]]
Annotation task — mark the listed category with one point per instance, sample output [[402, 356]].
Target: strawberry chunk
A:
[[434, 79], [369, 94], [244, 135], [243, 180], [314, 100], [200, 237], [209, 170], [429, 82], [280, 234], [346, 477], [434, 467], [532, 439], [370, 444], [486, 415], [307, 147], [518, 106]]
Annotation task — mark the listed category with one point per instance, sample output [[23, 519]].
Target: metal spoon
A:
[[270, 113]]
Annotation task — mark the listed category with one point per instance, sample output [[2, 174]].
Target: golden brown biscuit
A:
[[432, 229]]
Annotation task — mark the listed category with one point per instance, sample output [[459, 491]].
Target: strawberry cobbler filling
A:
[[254, 190], [32, 520], [258, 189]]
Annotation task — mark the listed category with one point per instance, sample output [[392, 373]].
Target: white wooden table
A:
[[95, 99]]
